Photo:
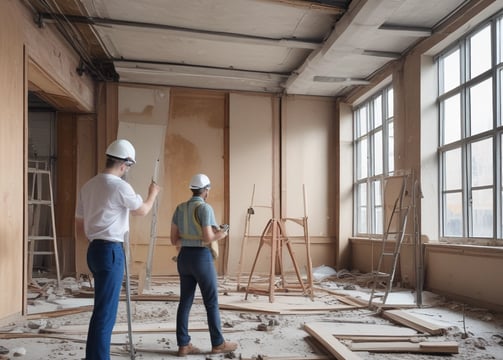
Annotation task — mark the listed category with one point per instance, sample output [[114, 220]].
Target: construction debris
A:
[[293, 327]]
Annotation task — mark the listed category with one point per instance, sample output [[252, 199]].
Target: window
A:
[[471, 135], [373, 149]]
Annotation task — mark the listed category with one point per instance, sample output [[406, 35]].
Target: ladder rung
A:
[[388, 254], [42, 253], [40, 237], [39, 202]]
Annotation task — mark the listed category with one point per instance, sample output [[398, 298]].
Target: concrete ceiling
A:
[[281, 46]]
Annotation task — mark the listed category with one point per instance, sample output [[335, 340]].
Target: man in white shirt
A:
[[102, 216]]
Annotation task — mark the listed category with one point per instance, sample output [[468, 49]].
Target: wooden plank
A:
[[414, 322], [51, 314], [123, 328], [437, 347], [334, 346], [347, 329]]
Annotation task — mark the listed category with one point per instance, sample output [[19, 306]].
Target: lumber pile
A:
[[344, 340]]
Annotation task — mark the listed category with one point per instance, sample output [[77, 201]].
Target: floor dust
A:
[[276, 331]]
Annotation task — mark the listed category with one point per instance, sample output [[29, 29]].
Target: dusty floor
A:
[[260, 334]]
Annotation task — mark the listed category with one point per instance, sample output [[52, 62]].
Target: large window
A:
[[471, 133], [373, 149]]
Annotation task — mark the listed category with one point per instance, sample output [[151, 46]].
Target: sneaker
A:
[[187, 350], [225, 347]]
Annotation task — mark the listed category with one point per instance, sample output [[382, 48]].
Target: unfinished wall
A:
[[308, 142], [467, 273], [12, 152], [251, 177], [39, 59]]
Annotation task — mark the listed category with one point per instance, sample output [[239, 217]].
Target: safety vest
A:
[[185, 231]]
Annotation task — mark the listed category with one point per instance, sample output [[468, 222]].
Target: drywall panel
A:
[[457, 271], [12, 159], [251, 124], [308, 164], [143, 116], [194, 144]]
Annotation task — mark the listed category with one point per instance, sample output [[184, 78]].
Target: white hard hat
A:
[[121, 149], [199, 181]]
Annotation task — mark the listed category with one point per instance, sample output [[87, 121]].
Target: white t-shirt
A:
[[104, 203]]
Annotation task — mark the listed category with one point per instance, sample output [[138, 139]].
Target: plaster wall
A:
[[466, 273], [12, 158]]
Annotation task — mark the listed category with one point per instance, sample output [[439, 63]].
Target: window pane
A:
[[452, 119], [482, 163], [378, 209], [378, 153], [377, 111], [362, 158], [453, 218], [499, 36], [362, 121], [391, 148], [482, 213], [452, 169], [450, 72], [500, 120], [390, 103], [481, 107], [362, 208], [480, 52]]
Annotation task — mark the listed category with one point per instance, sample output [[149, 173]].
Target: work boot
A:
[[188, 350], [225, 347]]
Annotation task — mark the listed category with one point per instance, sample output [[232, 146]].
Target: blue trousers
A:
[[106, 261], [195, 267]]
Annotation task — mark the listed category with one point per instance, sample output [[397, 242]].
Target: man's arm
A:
[[175, 235], [211, 233], [145, 208]]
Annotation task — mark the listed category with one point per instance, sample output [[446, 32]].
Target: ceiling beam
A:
[[337, 7], [199, 71], [190, 33], [406, 30]]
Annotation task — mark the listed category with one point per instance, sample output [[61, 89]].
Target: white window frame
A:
[[463, 230], [370, 222]]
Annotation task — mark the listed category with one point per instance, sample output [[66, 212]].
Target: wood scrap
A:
[[405, 318], [57, 313], [435, 347], [334, 346], [355, 339], [342, 329], [123, 328]]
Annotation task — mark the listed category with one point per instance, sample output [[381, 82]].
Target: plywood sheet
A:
[[143, 117], [251, 122]]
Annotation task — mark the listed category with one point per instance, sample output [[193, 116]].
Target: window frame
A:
[[466, 83], [373, 206]]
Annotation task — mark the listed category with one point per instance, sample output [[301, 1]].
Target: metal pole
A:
[[128, 296], [153, 232]]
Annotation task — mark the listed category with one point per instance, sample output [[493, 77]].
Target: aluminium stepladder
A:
[[394, 233], [42, 223]]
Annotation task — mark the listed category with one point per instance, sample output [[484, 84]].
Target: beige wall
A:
[[37, 59], [12, 150]]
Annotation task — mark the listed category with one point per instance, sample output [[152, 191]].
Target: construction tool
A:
[[249, 213], [128, 296], [153, 231], [394, 233]]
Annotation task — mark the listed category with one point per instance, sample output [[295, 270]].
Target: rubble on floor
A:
[[335, 323]]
